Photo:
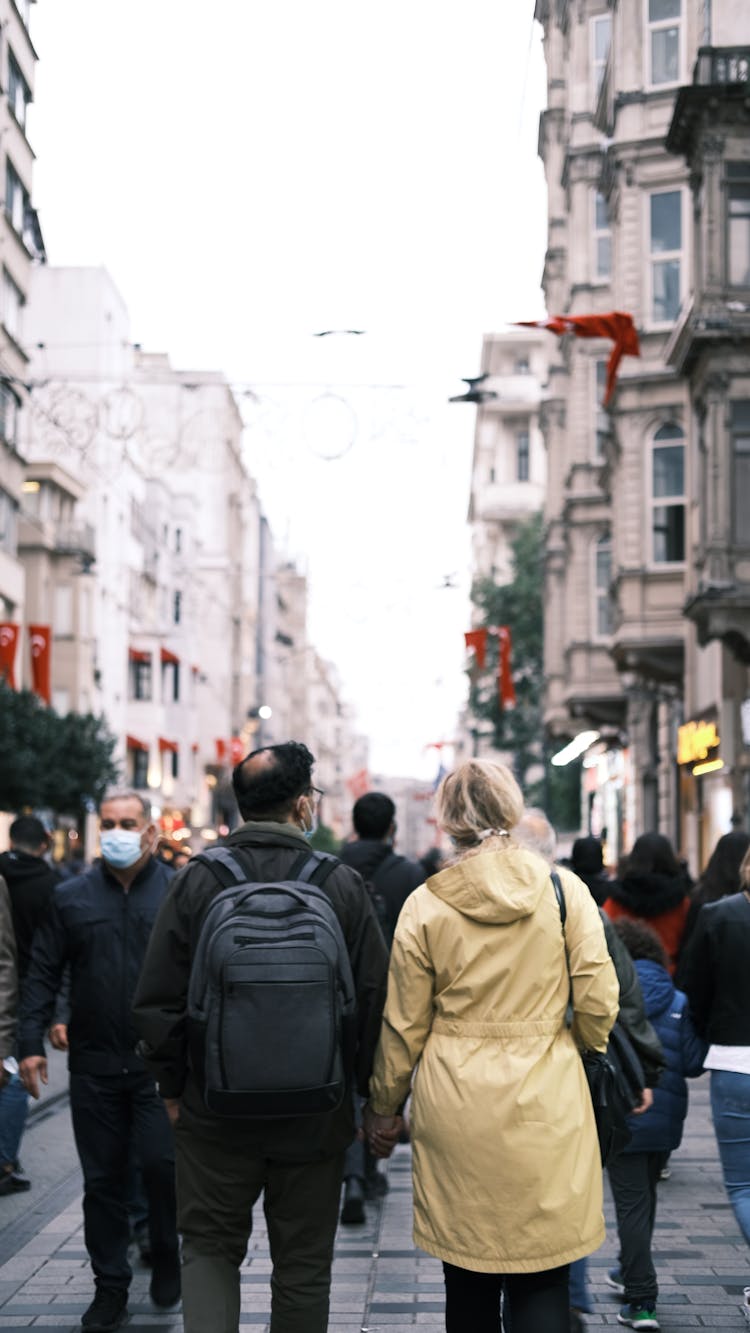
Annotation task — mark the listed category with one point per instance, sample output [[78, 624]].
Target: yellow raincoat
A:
[[507, 1177]]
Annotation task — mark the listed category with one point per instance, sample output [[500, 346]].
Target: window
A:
[[522, 455], [141, 677], [8, 414], [664, 41], [522, 366], [140, 768], [12, 306], [19, 93], [600, 415], [178, 541], [16, 198], [601, 35], [604, 621], [740, 472], [177, 608], [668, 494], [665, 245], [602, 238], [8, 523], [738, 224]]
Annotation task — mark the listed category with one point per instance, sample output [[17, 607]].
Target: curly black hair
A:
[[270, 792], [641, 941]]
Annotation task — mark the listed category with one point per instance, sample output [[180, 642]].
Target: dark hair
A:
[[269, 791], [722, 874], [652, 854], [372, 815], [28, 831], [641, 941], [587, 855]]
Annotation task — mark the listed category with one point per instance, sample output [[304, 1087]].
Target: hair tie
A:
[[492, 833]]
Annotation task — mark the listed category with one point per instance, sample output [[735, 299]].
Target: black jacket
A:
[[395, 876], [31, 885], [161, 997], [715, 973], [102, 933]]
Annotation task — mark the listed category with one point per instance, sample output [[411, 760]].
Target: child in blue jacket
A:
[[634, 1174]]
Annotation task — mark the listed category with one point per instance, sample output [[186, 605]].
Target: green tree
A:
[[518, 604], [50, 762]]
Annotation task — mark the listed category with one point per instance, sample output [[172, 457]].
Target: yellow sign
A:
[[694, 740]]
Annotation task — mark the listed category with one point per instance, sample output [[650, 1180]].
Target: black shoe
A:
[[13, 1182], [576, 1322], [353, 1211], [142, 1238], [376, 1185], [108, 1310], [166, 1286]]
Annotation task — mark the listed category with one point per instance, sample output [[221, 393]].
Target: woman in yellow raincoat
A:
[[507, 1177]]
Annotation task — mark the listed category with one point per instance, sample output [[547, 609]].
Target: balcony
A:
[[721, 75], [722, 611], [76, 539]]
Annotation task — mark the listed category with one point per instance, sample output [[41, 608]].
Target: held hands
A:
[[32, 1069], [381, 1131]]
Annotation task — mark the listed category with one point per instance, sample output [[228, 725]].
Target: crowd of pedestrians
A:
[[264, 1021]]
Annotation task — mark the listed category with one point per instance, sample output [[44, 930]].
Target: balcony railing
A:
[[78, 539], [721, 65]]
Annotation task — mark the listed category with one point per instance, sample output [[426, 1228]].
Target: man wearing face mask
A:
[[98, 925], [223, 1163]]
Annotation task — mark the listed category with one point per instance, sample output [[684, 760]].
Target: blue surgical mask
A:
[[120, 847], [312, 830]]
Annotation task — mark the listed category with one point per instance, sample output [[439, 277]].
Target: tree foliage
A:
[[520, 730], [49, 762]]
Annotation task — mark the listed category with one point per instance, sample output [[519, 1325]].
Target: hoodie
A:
[[662, 901], [31, 884]]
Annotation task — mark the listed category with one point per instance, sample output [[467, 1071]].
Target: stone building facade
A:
[[641, 203]]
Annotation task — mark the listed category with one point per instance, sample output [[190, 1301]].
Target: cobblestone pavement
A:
[[380, 1281]]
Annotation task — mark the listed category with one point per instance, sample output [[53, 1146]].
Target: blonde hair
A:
[[745, 870], [477, 804]]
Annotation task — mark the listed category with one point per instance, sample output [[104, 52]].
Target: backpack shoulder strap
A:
[[313, 867], [225, 865], [560, 895], [231, 866]]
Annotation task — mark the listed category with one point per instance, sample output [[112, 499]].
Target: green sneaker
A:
[[638, 1316]]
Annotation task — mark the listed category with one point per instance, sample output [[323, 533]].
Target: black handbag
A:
[[615, 1076]]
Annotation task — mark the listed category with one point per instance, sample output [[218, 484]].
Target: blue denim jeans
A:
[[579, 1287], [730, 1105], [14, 1101]]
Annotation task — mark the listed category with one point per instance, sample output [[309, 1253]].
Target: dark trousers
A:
[[633, 1177], [217, 1185], [111, 1115], [532, 1302]]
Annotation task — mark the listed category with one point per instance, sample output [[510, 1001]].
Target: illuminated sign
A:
[[695, 740]]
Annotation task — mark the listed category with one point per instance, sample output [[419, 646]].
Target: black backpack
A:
[[271, 1001]]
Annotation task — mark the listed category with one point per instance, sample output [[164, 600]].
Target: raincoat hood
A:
[[496, 887]]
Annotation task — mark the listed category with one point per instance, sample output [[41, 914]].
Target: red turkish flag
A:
[[505, 686], [8, 644], [236, 750], [39, 638], [221, 752], [477, 640], [617, 325]]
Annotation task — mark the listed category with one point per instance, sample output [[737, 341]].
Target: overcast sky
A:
[[251, 173]]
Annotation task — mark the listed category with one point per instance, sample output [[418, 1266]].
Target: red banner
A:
[[618, 326], [221, 752], [8, 644], [476, 639], [506, 688], [236, 750], [39, 638], [359, 783]]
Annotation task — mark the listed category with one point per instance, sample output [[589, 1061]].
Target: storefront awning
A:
[[167, 656], [133, 743]]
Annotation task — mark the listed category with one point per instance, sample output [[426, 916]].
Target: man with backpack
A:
[[260, 1004]]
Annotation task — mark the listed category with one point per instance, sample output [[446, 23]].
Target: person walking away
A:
[[535, 832], [716, 978], [390, 879], [720, 878], [98, 925], [635, 1172], [31, 884], [654, 888], [587, 862], [507, 1174], [8, 1015], [224, 1163]]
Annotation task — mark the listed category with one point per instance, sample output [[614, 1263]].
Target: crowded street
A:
[[380, 1281]]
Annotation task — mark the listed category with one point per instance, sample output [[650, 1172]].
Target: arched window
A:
[[668, 495]]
